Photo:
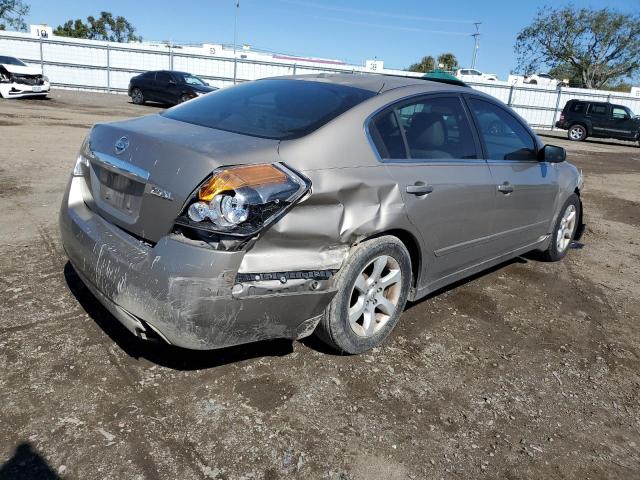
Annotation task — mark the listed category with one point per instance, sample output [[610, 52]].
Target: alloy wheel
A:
[[375, 296], [566, 228], [576, 133], [137, 96]]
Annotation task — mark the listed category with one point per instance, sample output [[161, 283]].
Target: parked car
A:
[[17, 79], [584, 118], [262, 210], [542, 79], [165, 86], [470, 75]]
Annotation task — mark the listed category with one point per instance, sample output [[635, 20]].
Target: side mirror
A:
[[553, 154]]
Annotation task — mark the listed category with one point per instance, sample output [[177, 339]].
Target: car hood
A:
[[21, 70], [163, 155]]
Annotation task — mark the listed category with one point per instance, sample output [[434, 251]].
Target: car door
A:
[[430, 149], [621, 122], [163, 87], [599, 114], [525, 188]]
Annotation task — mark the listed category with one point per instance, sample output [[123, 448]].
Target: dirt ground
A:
[[528, 371]]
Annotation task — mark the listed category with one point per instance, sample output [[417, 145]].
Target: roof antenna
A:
[[381, 87]]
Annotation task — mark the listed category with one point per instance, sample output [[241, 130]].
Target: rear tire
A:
[[577, 133], [373, 285], [564, 230], [137, 96]]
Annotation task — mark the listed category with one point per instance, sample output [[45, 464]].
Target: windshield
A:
[[191, 79], [277, 109], [11, 61]]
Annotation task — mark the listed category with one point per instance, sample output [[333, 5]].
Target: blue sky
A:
[[399, 33]]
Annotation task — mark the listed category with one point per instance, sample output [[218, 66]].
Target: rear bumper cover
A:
[[186, 293]]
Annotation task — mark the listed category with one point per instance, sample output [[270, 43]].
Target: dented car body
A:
[[236, 217], [17, 79]]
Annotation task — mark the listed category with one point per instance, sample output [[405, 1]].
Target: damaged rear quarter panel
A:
[[352, 198]]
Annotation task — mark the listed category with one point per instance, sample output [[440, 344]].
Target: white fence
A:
[[108, 66]]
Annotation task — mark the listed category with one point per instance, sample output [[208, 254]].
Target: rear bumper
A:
[[186, 293], [17, 90]]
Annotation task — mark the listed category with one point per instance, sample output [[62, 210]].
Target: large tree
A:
[[12, 13], [595, 47], [105, 27], [448, 61], [427, 64]]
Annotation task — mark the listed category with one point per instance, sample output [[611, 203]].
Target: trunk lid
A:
[[147, 167]]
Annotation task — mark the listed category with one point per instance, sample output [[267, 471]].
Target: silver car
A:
[[287, 206]]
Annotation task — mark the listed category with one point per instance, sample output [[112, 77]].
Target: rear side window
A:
[[277, 109], [386, 135], [505, 137], [578, 108], [434, 129], [437, 129], [598, 109], [163, 77]]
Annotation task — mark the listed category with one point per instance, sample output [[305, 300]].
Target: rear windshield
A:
[[278, 109]]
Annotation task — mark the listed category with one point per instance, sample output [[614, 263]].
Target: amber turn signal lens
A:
[[238, 177]]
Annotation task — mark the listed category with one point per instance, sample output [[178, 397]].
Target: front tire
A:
[[564, 230], [137, 96], [577, 133], [184, 98], [373, 285]]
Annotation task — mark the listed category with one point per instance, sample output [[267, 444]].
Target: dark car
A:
[[167, 86], [583, 118]]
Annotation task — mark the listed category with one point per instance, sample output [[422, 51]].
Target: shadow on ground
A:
[[158, 351], [26, 464]]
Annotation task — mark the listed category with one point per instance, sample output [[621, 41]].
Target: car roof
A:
[[371, 82]]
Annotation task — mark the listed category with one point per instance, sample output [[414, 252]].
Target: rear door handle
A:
[[419, 189], [505, 188]]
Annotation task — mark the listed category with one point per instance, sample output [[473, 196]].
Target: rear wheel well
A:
[[412, 246], [582, 124]]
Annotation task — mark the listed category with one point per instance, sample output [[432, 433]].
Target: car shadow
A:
[[159, 352], [26, 464], [315, 343]]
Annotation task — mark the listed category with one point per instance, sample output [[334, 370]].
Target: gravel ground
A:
[[530, 370]]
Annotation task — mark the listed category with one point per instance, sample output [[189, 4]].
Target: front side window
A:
[[620, 112], [277, 109], [505, 137], [191, 79]]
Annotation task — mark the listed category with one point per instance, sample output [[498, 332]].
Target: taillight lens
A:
[[84, 158], [240, 201]]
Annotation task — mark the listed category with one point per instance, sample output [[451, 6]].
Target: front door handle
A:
[[505, 188], [419, 189]]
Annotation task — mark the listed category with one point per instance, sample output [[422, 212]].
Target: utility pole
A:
[[235, 41], [476, 43]]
